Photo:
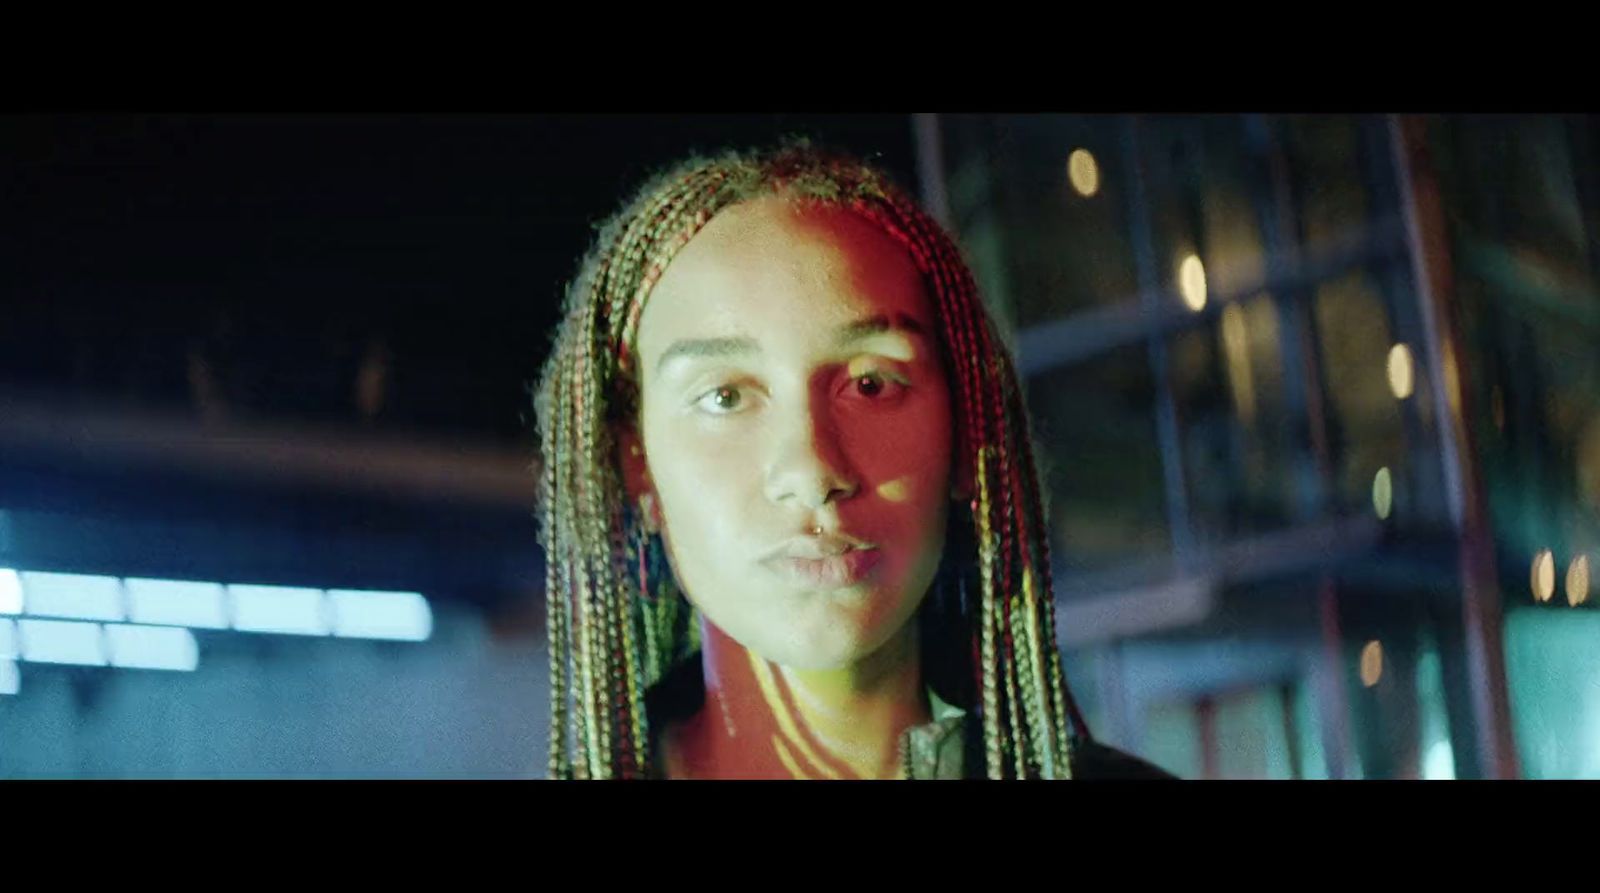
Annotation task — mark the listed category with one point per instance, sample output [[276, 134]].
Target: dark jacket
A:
[[949, 747]]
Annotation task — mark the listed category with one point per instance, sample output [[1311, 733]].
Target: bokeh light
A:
[[1084, 172], [1543, 579], [1371, 663], [1382, 493], [1401, 371], [1578, 581], [1192, 282]]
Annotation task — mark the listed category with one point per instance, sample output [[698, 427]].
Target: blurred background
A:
[[1317, 400]]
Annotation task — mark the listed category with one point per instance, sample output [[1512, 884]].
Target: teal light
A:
[[1553, 670]]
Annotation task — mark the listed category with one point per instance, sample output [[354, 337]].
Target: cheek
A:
[[704, 488], [905, 459]]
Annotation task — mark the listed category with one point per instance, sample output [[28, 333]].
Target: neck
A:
[[763, 720]]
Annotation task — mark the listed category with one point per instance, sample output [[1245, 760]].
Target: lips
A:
[[831, 572]]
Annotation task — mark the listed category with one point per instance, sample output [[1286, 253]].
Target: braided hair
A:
[[617, 620]]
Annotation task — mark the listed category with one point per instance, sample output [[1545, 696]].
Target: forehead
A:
[[784, 273]]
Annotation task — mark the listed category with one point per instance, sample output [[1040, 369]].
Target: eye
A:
[[877, 386], [721, 400]]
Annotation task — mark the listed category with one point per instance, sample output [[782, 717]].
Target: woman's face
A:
[[791, 380]]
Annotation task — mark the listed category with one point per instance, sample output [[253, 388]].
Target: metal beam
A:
[[276, 454], [1087, 334]]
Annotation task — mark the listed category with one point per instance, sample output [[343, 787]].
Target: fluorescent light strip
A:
[[186, 604], [279, 609], [10, 678], [76, 596], [8, 640], [123, 645], [363, 614], [177, 603], [62, 642], [152, 647], [10, 591]]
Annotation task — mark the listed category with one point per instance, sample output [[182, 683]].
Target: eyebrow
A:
[[873, 325], [848, 334], [699, 348]]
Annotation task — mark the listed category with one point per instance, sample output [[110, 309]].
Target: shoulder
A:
[[941, 747], [677, 695], [1093, 761]]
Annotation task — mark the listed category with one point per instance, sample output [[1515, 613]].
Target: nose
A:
[[809, 467]]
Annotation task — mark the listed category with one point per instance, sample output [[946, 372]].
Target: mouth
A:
[[832, 572]]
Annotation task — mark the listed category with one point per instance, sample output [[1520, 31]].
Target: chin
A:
[[817, 656], [825, 643]]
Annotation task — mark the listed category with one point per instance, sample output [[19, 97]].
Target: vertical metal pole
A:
[[1303, 391], [1151, 293], [1464, 493], [1423, 489], [929, 139], [1119, 709], [1333, 699], [1150, 297]]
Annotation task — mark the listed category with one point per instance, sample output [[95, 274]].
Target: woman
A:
[[790, 512]]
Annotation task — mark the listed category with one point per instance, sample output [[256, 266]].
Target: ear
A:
[[636, 476]]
